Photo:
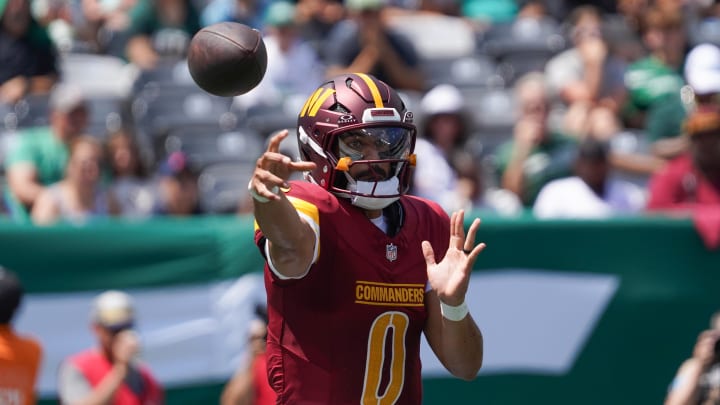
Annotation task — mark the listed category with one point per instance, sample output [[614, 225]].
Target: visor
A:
[[390, 143]]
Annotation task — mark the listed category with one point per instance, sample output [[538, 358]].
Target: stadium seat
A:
[[470, 70], [522, 46], [205, 146], [159, 108], [98, 74], [107, 114], [32, 111], [493, 112], [223, 186], [168, 73], [431, 33]]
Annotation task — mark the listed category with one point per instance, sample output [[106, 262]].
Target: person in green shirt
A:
[[535, 155], [654, 83], [160, 29], [40, 154]]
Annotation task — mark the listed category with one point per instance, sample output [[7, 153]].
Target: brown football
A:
[[227, 59]]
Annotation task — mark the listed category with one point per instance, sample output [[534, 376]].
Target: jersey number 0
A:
[[397, 322]]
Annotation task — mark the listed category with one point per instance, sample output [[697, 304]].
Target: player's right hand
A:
[[273, 169]]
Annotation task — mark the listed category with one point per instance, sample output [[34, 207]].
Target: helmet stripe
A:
[[319, 102], [310, 101], [373, 89]]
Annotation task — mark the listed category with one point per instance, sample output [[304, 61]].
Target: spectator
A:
[[249, 385], [80, 196], [365, 44], [586, 81], [160, 30], [111, 372], [475, 194], [698, 379], [27, 56], [693, 178], [249, 12], [443, 134], [316, 19], [536, 155], [178, 187], [20, 356], [702, 73], [654, 83], [40, 156], [592, 192], [131, 185], [294, 68], [103, 22], [448, 174]]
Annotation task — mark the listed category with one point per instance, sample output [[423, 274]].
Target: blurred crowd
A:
[[550, 108]]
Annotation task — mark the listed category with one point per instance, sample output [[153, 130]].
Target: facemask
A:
[[387, 187]]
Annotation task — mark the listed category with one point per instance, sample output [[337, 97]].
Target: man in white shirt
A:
[[591, 193]]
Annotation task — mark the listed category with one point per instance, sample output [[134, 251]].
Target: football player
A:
[[355, 269]]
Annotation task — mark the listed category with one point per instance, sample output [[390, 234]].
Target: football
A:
[[227, 59]]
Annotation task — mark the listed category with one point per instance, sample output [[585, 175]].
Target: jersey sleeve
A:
[[310, 214]]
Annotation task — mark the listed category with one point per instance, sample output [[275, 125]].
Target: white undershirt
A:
[[380, 222]]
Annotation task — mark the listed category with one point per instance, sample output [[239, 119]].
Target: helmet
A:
[[348, 111]]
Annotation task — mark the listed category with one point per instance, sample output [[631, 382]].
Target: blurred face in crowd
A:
[[123, 155], [181, 194], [85, 162], [68, 125], [445, 130], [665, 36], [172, 12], [286, 35], [16, 18], [588, 26], [705, 149], [532, 101], [593, 171]]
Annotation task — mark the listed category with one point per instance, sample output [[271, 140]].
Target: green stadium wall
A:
[[574, 312]]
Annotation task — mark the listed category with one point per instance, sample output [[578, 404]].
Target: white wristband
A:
[[452, 313], [257, 197]]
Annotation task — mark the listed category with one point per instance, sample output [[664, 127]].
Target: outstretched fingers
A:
[[470, 241], [275, 140], [428, 253]]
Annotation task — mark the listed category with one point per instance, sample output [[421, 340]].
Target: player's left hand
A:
[[450, 278]]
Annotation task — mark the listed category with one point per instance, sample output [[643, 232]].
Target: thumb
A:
[[428, 253]]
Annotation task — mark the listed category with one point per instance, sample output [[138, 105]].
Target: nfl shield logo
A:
[[391, 252]]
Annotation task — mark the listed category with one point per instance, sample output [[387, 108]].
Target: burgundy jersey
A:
[[349, 331]]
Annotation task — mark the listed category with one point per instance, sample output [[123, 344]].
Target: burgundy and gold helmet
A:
[[355, 108]]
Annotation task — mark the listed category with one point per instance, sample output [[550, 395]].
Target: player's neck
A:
[[372, 214]]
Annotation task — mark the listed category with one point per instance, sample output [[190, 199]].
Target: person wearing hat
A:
[[20, 356], [443, 134], [693, 178], [40, 155], [109, 373], [28, 59], [449, 175], [364, 43]]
